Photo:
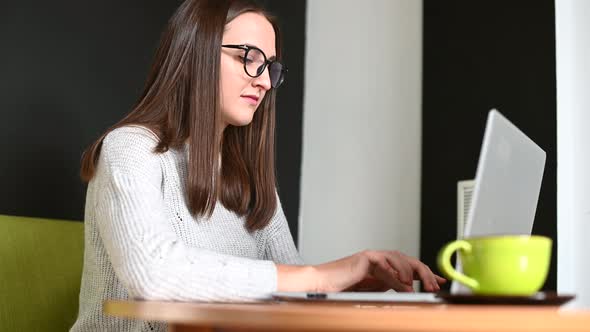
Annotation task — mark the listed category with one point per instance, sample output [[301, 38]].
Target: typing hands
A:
[[376, 271]]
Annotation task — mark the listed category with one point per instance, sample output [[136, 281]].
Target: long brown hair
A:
[[180, 103]]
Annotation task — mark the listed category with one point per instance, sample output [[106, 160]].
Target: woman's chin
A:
[[241, 121]]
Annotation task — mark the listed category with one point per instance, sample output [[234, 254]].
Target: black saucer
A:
[[540, 298]]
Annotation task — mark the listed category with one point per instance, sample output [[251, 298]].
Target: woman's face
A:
[[241, 94]]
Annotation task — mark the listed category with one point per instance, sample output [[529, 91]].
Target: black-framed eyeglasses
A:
[[255, 62]]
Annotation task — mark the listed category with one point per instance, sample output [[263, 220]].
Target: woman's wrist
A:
[[328, 277], [296, 278]]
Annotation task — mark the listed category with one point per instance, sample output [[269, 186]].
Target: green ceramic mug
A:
[[499, 265]]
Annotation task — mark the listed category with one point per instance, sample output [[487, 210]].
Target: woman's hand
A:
[[367, 271]]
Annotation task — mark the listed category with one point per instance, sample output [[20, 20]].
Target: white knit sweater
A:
[[142, 242]]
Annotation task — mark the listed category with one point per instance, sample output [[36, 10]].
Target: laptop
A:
[[507, 182], [507, 185]]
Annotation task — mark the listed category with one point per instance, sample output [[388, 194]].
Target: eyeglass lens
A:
[[255, 64]]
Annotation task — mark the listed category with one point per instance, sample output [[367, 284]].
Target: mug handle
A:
[[444, 263]]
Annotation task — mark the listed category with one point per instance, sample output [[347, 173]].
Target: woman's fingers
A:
[[414, 266], [385, 273], [397, 271], [400, 264], [370, 284], [430, 281], [440, 279]]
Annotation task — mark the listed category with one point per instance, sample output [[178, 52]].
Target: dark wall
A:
[[289, 129], [69, 69], [480, 55]]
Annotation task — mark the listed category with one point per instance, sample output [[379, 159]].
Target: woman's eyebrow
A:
[[271, 58]]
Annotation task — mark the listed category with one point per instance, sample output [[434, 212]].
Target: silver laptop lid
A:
[[507, 182]]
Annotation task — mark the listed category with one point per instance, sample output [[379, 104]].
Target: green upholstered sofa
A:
[[40, 271]]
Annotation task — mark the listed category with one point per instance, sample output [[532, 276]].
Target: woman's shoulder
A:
[[131, 134], [130, 146]]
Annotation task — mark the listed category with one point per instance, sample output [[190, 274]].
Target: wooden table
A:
[[350, 317]]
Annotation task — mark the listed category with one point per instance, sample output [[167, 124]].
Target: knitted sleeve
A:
[[146, 255], [280, 247]]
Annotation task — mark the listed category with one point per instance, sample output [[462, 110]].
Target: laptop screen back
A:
[[507, 182]]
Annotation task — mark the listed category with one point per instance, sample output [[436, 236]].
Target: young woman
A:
[[181, 201]]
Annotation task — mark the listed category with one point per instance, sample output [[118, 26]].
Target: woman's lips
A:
[[252, 100]]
